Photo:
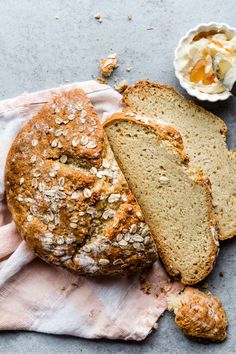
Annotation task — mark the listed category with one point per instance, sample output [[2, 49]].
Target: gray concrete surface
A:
[[45, 43]]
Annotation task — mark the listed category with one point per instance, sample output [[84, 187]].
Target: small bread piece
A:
[[204, 137], [174, 197], [108, 64], [199, 314], [68, 197], [121, 86]]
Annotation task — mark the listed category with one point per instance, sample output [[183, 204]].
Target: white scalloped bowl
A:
[[202, 96]]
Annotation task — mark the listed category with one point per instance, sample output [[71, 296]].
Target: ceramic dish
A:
[[193, 91]]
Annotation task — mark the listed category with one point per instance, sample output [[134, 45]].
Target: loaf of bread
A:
[[68, 197], [199, 314], [204, 137], [174, 197]]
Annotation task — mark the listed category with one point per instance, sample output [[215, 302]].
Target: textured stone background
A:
[[45, 43]]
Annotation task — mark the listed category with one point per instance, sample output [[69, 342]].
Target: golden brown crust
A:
[[166, 132], [68, 197], [199, 314]]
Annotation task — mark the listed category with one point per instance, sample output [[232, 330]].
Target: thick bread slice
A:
[[204, 137], [174, 198]]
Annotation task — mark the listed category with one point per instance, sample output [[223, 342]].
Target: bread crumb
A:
[[74, 284], [63, 288], [101, 80], [122, 86], [107, 65], [144, 284], [130, 16], [162, 289], [98, 17], [155, 326], [91, 313], [56, 17], [128, 69], [221, 274], [150, 28], [204, 285]]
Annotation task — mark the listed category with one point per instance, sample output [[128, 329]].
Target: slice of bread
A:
[[204, 137], [174, 197]]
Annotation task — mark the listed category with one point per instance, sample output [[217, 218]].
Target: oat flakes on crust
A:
[[199, 314], [67, 196]]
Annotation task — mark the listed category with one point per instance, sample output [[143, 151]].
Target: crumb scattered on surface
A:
[[91, 313], [121, 86], [155, 326], [98, 17], [63, 288], [221, 274], [204, 285], [74, 284], [57, 17], [150, 28], [213, 285], [101, 80], [130, 16], [128, 69], [144, 284], [107, 65]]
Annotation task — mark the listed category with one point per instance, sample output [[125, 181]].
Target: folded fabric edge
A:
[[9, 240], [39, 97]]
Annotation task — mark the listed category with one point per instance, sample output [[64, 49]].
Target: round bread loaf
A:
[[68, 197]]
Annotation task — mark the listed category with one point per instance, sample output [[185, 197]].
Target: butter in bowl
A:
[[197, 64]]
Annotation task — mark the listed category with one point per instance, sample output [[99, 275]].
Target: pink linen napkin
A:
[[35, 296]]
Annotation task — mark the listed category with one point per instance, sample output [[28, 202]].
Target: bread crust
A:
[[164, 131], [199, 314], [67, 196], [142, 85], [169, 134]]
